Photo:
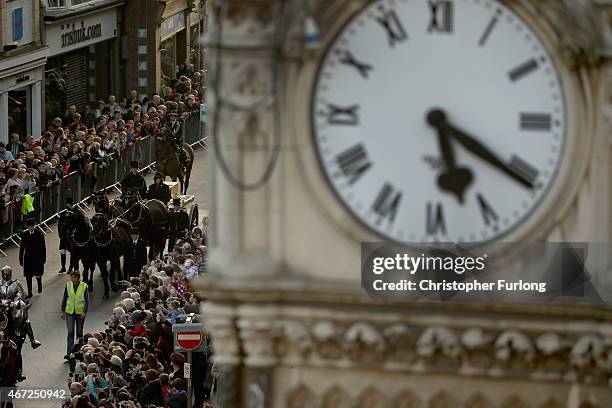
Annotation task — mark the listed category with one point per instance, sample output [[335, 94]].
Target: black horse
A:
[[110, 241], [148, 216], [81, 245], [102, 203]]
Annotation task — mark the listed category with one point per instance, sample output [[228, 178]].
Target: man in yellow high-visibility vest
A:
[[74, 309]]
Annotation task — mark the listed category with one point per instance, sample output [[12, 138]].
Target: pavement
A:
[[45, 367]]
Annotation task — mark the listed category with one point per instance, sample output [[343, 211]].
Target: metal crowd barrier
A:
[[194, 130], [49, 202]]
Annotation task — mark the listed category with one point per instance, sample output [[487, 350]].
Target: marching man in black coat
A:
[[158, 190], [32, 255], [178, 223], [135, 255]]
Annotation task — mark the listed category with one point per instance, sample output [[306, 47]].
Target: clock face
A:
[[438, 120]]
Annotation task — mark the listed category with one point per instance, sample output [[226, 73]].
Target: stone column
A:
[[244, 136]]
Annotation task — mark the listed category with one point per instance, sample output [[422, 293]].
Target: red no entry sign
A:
[[189, 340]]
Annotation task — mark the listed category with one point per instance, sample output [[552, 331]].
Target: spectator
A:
[[15, 146], [5, 155]]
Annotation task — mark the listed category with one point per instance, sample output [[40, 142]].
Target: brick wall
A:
[[141, 15]]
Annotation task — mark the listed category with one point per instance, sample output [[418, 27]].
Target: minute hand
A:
[[484, 153]]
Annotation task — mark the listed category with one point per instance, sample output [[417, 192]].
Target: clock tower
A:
[[414, 121]]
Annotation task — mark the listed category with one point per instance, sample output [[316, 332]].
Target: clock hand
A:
[[454, 180], [474, 146]]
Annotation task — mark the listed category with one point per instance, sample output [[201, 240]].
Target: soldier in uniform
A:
[[32, 255], [178, 223], [177, 138], [64, 239], [134, 180], [135, 255]]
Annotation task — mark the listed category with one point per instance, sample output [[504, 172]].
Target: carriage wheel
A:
[[193, 216]]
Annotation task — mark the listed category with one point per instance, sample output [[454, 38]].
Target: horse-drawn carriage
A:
[[103, 238]]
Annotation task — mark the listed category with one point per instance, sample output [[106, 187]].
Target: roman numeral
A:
[[523, 169], [487, 31], [393, 26], [435, 219], [441, 16], [523, 69], [485, 209], [387, 203], [536, 121], [354, 162], [339, 115], [346, 57]]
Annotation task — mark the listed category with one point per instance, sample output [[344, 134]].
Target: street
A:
[[45, 367]]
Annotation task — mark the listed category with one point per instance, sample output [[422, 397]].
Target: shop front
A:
[[21, 78], [173, 49], [197, 21], [85, 55]]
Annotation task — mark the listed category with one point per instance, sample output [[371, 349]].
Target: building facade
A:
[[22, 60], [291, 326], [159, 38], [84, 39]]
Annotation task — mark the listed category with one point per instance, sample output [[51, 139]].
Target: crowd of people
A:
[[80, 139], [132, 363]]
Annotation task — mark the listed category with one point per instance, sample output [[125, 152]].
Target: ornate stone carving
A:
[[258, 341], [400, 342], [302, 397], [577, 28], [363, 341], [552, 353], [336, 397], [478, 401], [297, 339], [477, 346], [442, 400], [371, 398], [514, 349], [407, 399], [438, 342], [325, 335], [588, 354]]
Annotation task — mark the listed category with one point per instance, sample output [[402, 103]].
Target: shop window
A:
[[92, 81], [92, 97], [143, 82], [142, 49], [92, 64], [142, 66], [142, 33]]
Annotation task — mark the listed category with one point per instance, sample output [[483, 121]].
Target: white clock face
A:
[[438, 120]]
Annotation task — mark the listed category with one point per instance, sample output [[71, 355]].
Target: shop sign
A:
[[82, 32], [172, 25], [22, 78]]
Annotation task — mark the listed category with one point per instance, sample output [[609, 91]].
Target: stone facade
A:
[[290, 325]]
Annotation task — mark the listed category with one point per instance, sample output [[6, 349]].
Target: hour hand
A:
[[454, 180]]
